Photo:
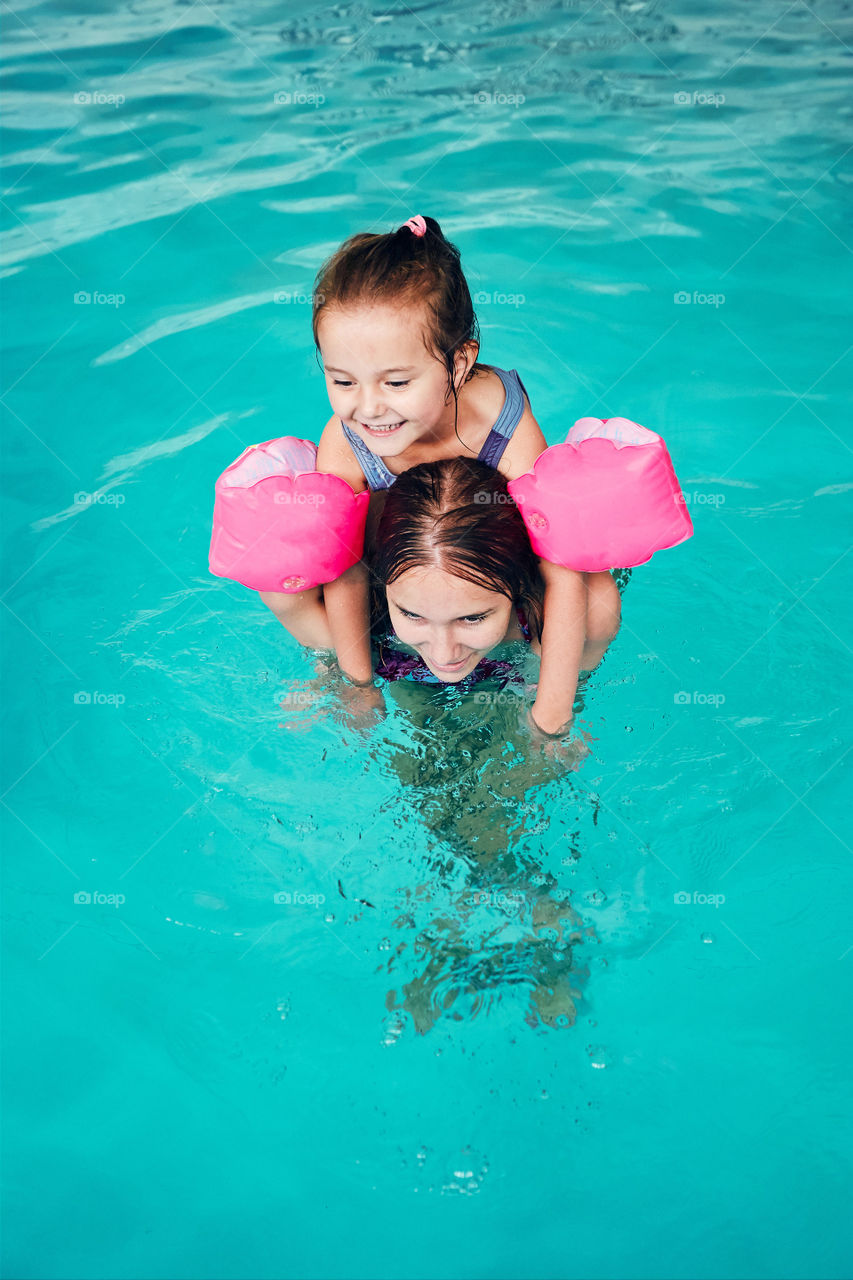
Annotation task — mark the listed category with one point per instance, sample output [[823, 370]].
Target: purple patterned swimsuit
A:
[[394, 664]]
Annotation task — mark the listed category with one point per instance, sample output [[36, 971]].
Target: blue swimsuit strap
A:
[[508, 418], [377, 474]]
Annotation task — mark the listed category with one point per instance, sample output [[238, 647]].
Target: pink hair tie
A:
[[416, 225]]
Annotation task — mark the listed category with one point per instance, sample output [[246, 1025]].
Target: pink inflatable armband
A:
[[281, 525], [606, 498]]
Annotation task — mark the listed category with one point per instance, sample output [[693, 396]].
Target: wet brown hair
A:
[[402, 267], [457, 515]]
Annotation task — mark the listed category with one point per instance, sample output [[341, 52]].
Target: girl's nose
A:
[[444, 649], [371, 406]]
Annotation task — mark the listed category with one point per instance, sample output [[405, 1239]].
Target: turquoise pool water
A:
[[204, 1079]]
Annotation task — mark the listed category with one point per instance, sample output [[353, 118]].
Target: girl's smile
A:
[[380, 431]]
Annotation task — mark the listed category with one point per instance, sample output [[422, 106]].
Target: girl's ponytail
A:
[[417, 225]]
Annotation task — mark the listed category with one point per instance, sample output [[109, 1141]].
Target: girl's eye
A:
[[473, 618], [340, 382]]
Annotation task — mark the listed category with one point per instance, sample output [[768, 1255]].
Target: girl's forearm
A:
[[562, 644], [303, 614], [348, 613]]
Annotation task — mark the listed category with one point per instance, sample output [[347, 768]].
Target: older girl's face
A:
[[450, 622]]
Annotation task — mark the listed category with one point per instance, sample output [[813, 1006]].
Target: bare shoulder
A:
[[335, 456], [525, 446], [487, 392]]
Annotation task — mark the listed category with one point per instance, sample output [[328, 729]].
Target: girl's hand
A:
[[363, 705], [568, 747]]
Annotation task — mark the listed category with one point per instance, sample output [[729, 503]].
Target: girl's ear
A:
[[464, 361]]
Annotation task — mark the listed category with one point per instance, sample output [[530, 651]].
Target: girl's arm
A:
[[348, 613], [347, 598], [564, 623], [562, 641]]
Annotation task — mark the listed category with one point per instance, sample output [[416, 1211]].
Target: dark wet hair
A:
[[457, 515], [408, 268]]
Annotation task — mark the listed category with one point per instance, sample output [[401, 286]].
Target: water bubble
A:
[[708, 938], [385, 944], [392, 1029], [329, 918], [467, 1173]]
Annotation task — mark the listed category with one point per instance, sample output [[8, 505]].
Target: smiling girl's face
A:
[[382, 380], [451, 622]]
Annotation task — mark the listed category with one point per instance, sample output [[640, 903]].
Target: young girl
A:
[[395, 328]]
